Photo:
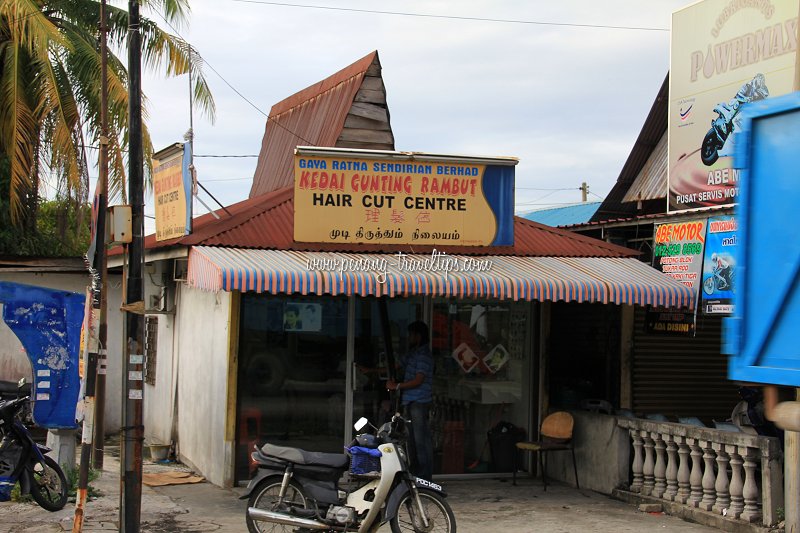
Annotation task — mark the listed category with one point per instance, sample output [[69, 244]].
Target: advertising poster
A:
[[719, 266], [678, 251], [362, 200], [724, 55], [172, 186]]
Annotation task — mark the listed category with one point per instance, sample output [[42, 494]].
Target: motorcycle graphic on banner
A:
[[724, 56], [719, 266]]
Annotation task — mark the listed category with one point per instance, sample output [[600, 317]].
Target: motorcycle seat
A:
[[302, 457]]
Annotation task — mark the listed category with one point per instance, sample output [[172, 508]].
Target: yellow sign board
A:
[[349, 199], [170, 197], [725, 54]]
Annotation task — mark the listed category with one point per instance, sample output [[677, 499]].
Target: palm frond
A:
[[18, 126]]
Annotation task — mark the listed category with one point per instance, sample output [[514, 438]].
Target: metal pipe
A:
[[285, 519]]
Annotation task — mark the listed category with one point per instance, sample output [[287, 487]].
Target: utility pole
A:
[[96, 367], [133, 353], [584, 192], [102, 336]]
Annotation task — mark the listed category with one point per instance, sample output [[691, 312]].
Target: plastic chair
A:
[[556, 436]]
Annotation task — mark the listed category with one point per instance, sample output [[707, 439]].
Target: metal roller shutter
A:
[[682, 376]]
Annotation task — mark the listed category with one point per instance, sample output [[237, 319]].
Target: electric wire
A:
[[454, 17], [234, 89]]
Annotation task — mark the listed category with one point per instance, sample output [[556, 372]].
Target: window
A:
[[150, 344]]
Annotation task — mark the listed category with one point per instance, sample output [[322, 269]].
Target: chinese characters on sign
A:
[[360, 200]]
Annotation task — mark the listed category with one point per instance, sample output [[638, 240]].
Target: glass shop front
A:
[[311, 365]]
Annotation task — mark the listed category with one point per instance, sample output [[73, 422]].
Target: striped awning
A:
[[568, 279]]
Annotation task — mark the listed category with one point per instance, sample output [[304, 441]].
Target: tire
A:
[[709, 151], [440, 516], [708, 285], [48, 485], [265, 495]]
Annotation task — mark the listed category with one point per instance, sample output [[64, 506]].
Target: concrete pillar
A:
[[62, 442]]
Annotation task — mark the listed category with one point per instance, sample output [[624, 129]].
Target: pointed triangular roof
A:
[[347, 110]]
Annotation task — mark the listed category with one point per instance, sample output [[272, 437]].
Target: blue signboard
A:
[[763, 334], [48, 324], [719, 266]]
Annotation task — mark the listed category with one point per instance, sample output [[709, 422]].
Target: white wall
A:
[[159, 399], [14, 363], [201, 375]]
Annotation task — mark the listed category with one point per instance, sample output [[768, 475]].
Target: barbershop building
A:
[[277, 316]]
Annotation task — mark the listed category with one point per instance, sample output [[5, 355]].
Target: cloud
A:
[[569, 102]]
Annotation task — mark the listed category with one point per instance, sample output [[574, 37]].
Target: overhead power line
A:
[[453, 17], [234, 89]]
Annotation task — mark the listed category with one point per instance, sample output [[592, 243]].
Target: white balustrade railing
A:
[[736, 475]]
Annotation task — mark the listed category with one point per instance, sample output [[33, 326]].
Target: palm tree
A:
[[50, 92]]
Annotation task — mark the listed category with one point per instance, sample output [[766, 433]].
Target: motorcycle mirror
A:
[[21, 383], [361, 424]]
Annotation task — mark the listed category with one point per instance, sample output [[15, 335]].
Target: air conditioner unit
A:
[[181, 269]]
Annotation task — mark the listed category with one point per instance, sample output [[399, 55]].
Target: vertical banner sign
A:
[[724, 55], [678, 251], [172, 196], [355, 198], [719, 267]]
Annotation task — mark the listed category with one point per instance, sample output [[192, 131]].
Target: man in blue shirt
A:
[[417, 391]]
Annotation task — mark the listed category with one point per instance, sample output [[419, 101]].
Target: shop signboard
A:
[[345, 196], [719, 266], [172, 189], [678, 251], [725, 54]]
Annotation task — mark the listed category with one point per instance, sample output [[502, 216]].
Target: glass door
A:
[[292, 374], [370, 364]]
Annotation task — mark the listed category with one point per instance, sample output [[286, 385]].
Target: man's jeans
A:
[[422, 440]]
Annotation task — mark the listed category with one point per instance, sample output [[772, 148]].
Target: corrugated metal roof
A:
[[563, 216], [651, 182], [653, 129], [267, 222], [314, 116], [575, 279]]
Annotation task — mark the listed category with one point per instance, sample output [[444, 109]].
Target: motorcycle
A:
[[23, 460], [298, 490], [722, 126], [718, 280]]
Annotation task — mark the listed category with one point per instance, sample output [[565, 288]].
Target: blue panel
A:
[[762, 337], [48, 324], [564, 216], [498, 188]]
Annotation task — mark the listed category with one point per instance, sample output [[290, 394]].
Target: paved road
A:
[[480, 506]]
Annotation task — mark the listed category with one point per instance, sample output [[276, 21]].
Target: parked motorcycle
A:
[[23, 460], [722, 126], [298, 490]]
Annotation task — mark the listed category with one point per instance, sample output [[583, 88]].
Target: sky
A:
[[568, 101]]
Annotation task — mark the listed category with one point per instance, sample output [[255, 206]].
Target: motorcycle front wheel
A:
[[709, 151], [440, 516], [708, 286], [48, 485], [265, 496]]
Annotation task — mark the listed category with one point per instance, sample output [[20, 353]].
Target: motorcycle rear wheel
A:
[[709, 150], [48, 485], [440, 517], [265, 496]]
